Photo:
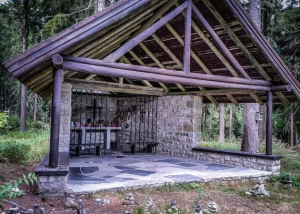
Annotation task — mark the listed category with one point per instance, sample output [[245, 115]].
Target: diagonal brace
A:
[[138, 39]]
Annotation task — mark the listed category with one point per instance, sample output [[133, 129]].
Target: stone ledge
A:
[[62, 170], [232, 152]]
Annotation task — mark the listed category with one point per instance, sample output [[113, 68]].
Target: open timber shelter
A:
[[135, 75]]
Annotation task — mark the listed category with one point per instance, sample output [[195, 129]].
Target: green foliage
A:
[[24, 147], [15, 151], [233, 145], [3, 119], [58, 23], [8, 190]]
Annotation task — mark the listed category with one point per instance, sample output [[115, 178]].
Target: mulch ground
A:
[[228, 197]]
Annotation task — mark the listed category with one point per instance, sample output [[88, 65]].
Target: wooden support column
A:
[[187, 39], [55, 118], [55, 115], [269, 124]]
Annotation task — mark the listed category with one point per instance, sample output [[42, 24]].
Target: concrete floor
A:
[[118, 171]]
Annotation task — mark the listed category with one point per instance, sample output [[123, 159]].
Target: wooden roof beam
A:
[[45, 51], [158, 14], [219, 43], [261, 42], [101, 70], [115, 87], [215, 50], [141, 37], [142, 63], [153, 57], [145, 82], [187, 38], [235, 38]]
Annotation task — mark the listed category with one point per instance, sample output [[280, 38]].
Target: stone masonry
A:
[[179, 125], [269, 163], [65, 117]]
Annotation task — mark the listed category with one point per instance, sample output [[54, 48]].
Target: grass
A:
[[14, 143]]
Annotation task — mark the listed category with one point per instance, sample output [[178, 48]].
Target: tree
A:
[[250, 132], [222, 123], [23, 90]]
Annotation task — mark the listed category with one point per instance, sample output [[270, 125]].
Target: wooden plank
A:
[[187, 39], [148, 32], [101, 70], [219, 43], [115, 87], [154, 58]]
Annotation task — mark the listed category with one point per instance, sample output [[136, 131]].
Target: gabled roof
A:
[[230, 60]]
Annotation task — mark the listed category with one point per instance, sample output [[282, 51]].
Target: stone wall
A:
[[263, 162], [179, 124], [65, 117]]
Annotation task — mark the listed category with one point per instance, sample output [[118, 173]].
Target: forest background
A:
[[280, 25]]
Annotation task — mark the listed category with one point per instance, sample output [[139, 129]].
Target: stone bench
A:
[[239, 158], [149, 146], [52, 182]]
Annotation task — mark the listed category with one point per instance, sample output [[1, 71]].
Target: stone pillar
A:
[[179, 124], [65, 117]]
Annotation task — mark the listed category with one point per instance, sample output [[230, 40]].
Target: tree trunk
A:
[[221, 123], [230, 118], [250, 132], [293, 142], [262, 124], [24, 48], [100, 5], [35, 107]]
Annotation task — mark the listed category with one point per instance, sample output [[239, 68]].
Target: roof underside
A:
[[102, 34]]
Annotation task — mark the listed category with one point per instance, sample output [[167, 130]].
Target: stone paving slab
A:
[[94, 174]]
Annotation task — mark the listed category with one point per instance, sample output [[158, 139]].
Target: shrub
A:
[[15, 151], [14, 123]]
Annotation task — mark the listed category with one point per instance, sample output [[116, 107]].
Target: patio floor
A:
[[123, 171]]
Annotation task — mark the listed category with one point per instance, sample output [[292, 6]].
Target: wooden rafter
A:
[[187, 39], [154, 58], [248, 54], [115, 87], [142, 63], [218, 53], [141, 37]]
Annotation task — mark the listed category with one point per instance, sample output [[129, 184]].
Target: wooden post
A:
[[187, 38], [55, 118], [269, 124]]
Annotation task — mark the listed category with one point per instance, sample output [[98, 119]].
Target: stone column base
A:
[[52, 182]]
